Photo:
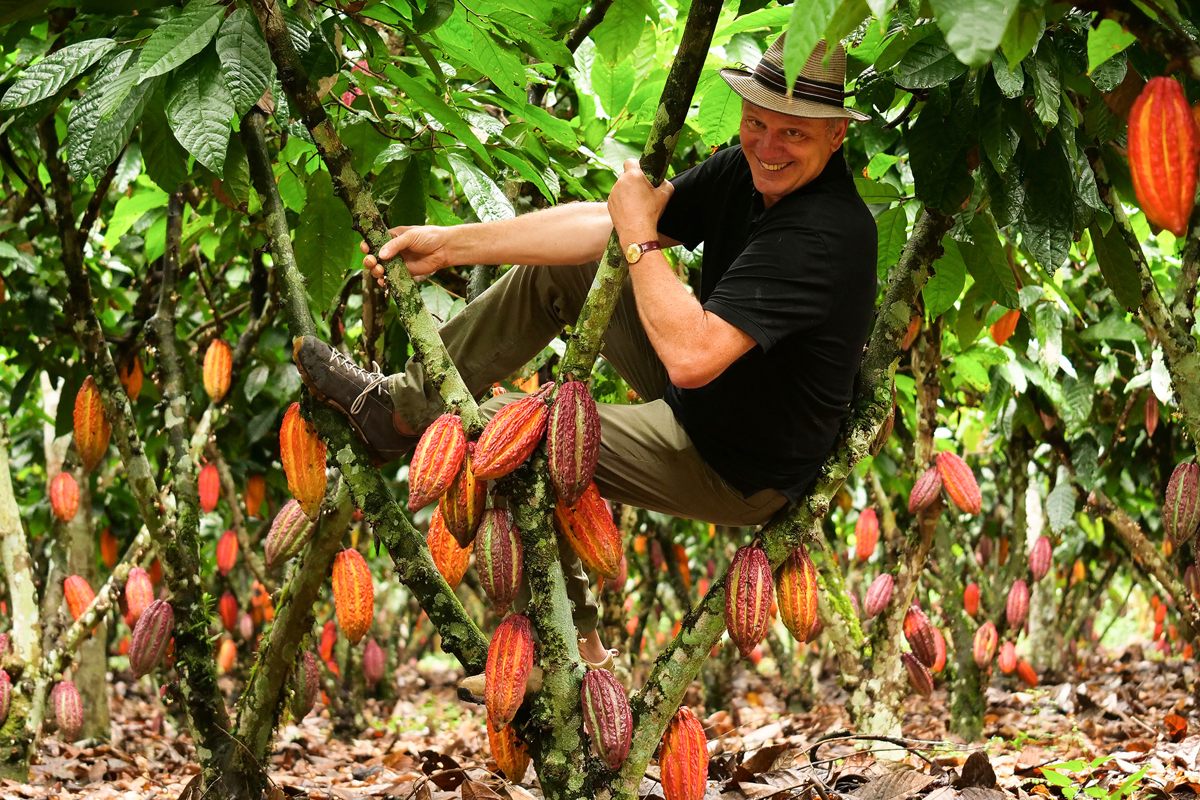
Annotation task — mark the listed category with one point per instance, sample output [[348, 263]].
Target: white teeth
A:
[[772, 167]]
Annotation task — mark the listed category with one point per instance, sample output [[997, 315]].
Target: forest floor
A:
[[1126, 727]]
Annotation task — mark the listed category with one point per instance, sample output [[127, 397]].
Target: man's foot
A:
[[362, 396]]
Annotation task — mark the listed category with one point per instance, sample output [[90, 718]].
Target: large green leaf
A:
[[129, 209], [326, 244], [893, 233], [987, 263], [720, 113], [1105, 41], [846, 18], [927, 64], [1023, 33], [619, 32], [938, 160], [1116, 264], [180, 38], [481, 192], [200, 110], [246, 64], [92, 143], [946, 284], [612, 83], [1046, 218], [46, 77], [526, 171], [1047, 85], [973, 28], [534, 33], [1060, 503], [423, 99], [166, 161]]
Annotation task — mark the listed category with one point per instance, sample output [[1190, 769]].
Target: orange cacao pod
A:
[[866, 534], [328, 640], [374, 663], [130, 373], [879, 594], [156, 571], [1018, 604], [1181, 507], [256, 493], [508, 751], [959, 483], [499, 558], [218, 369], [939, 643], [262, 609], [78, 594], [1150, 414], [353, 594], [64, 496], [683, 758], [1008, 658], [306, 685], [971, 599], [303, 456], [589, 527], [227, 608], [226, 656], [572, 441], [227, 551], [925, 491], [436, 461], [108, 548], [92, 430], [150, 637], [1164, 150], [919, 677], [1039, 558], [1026, 672], [210, 488], [749, 593], [290, 531], [1003, 328], [1160, 613], [919, 634], [798, 590], [984, 649], [511, 435], [139, 592], [450, 559], [606, 717], [68, 710], [509, 662], [463, 503]]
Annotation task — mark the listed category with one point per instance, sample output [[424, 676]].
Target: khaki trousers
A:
[[646, 458]]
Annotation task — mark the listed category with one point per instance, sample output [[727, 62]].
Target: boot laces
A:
[[375, 380]]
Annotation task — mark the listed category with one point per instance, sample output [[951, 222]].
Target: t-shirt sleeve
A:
[[685, 217], [782, 283]]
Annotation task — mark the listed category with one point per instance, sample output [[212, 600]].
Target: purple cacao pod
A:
[[151, 635], [373, 664], [1181, 506], [919, 634], [1018, 604], [925, 491], [306, 685], [68, 710], [5, 695], [749, 594], [919, 676], [606, 717], [572, 440], [1039, 558], [879, 594], [290, 531], [499, 557]]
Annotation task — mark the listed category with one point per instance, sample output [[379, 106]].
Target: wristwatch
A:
[[635, 251]]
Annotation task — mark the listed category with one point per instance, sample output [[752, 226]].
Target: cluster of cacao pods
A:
[[952, 474], [1164, 154]]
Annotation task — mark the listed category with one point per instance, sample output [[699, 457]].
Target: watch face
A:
[[633, 253]]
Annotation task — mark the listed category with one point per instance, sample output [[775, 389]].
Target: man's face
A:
[[786, 152]]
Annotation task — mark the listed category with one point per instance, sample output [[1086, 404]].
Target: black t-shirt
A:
[[798, 277]]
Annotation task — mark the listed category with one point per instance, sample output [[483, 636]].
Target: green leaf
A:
[[200, 110], [92, 146], [481, 192], [1114, 328], [946, 284], [1060, 504], [805, 29], [969, 370], [246, 64], [1000, 139], [846, 18], [180, 38], [927, 64], [1047, 88], [534, 33], [1117, 266], [762, 19], [1023, 33], [973, 28], [46, 77], [423, 99], [326, 244], [1010, 79], [166, 161], [129, 209], [1078, 397], [526, 171], [987, 263], [1105, 41], [613, 84], [875, 192], [938, 160], [720, 113], [893, 233], [256, 380], [499, 64], [1046, 218], [621, 29]]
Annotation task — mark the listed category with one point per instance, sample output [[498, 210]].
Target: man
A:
[[745, 387]]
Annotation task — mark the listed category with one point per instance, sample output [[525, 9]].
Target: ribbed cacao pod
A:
[[5, 695], [78, 594], [463, 503], [1191, 579], [290, 531], [374, 663], [218, 369], [749, 594], [1018, 604], [866, 534], [971, 599], [572, 441], [879, 594], [1150, 414], [306, 685], [1007, 660], [1164, 150], [509, 662], [1027, 673], [450, 559], [108, 548], [227, 608], [959, 483], [919, 677], [499, 557], [150, 637], [1003, 328], [226, 656], [589, 528], [227, 552], [131, 375], [683, 758], [508, 751], [303, 455], [64, 496], [925, 491], [436, 461], [139, 592], [256, 494], [1181, 506], [919, 634], [798, 593], [1039, 558], [68, 710], [92, 430], [209, 484], [606, 717], [353, 594], [939, 644], [984, 646], [511, 435]]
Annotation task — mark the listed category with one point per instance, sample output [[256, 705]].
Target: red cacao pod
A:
[[1164, 150], [218, 369], [227, 608], [92, 430], [866, 534], [509, 662], [1007, 660], [108, 548], [1160, 613], [508, 751], [589, 528], [925, 491], [1150, 414], [78, 594], [353, 594], [139, 592], [256, 494], [210, 488], [606, 717], [919, 677], [499, 557], [1040, 557], [1026, 672], [511, 435], [1181, 506], [959, 483], [798, 595], [910, 333], [227, 552], [290, 531], [150, 638], [68, 710], [1018, 604], [971, 599], [572, 441], [226, 656], [64, 496], [303, 455], [131, 375], [749, 594], [463, 503], [879, 594], [5, 695], [374, 663], [306, 685], [683, 758], [448, 556], [984, 646], [1003, 328], [939, 643], [436, 461], [919, 634]]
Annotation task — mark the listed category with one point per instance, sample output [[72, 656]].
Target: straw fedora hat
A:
[[819, 89]]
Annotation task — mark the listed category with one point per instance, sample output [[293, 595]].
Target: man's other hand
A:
[[635, 206], [424, 248]]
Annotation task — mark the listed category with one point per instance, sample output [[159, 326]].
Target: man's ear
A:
[[837, 131]]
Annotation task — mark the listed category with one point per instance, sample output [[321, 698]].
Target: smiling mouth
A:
[[773, 167]]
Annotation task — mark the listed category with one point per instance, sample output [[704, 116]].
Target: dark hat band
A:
[[829, 94]]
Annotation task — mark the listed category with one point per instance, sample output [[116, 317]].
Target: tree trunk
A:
[[91, 670]]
